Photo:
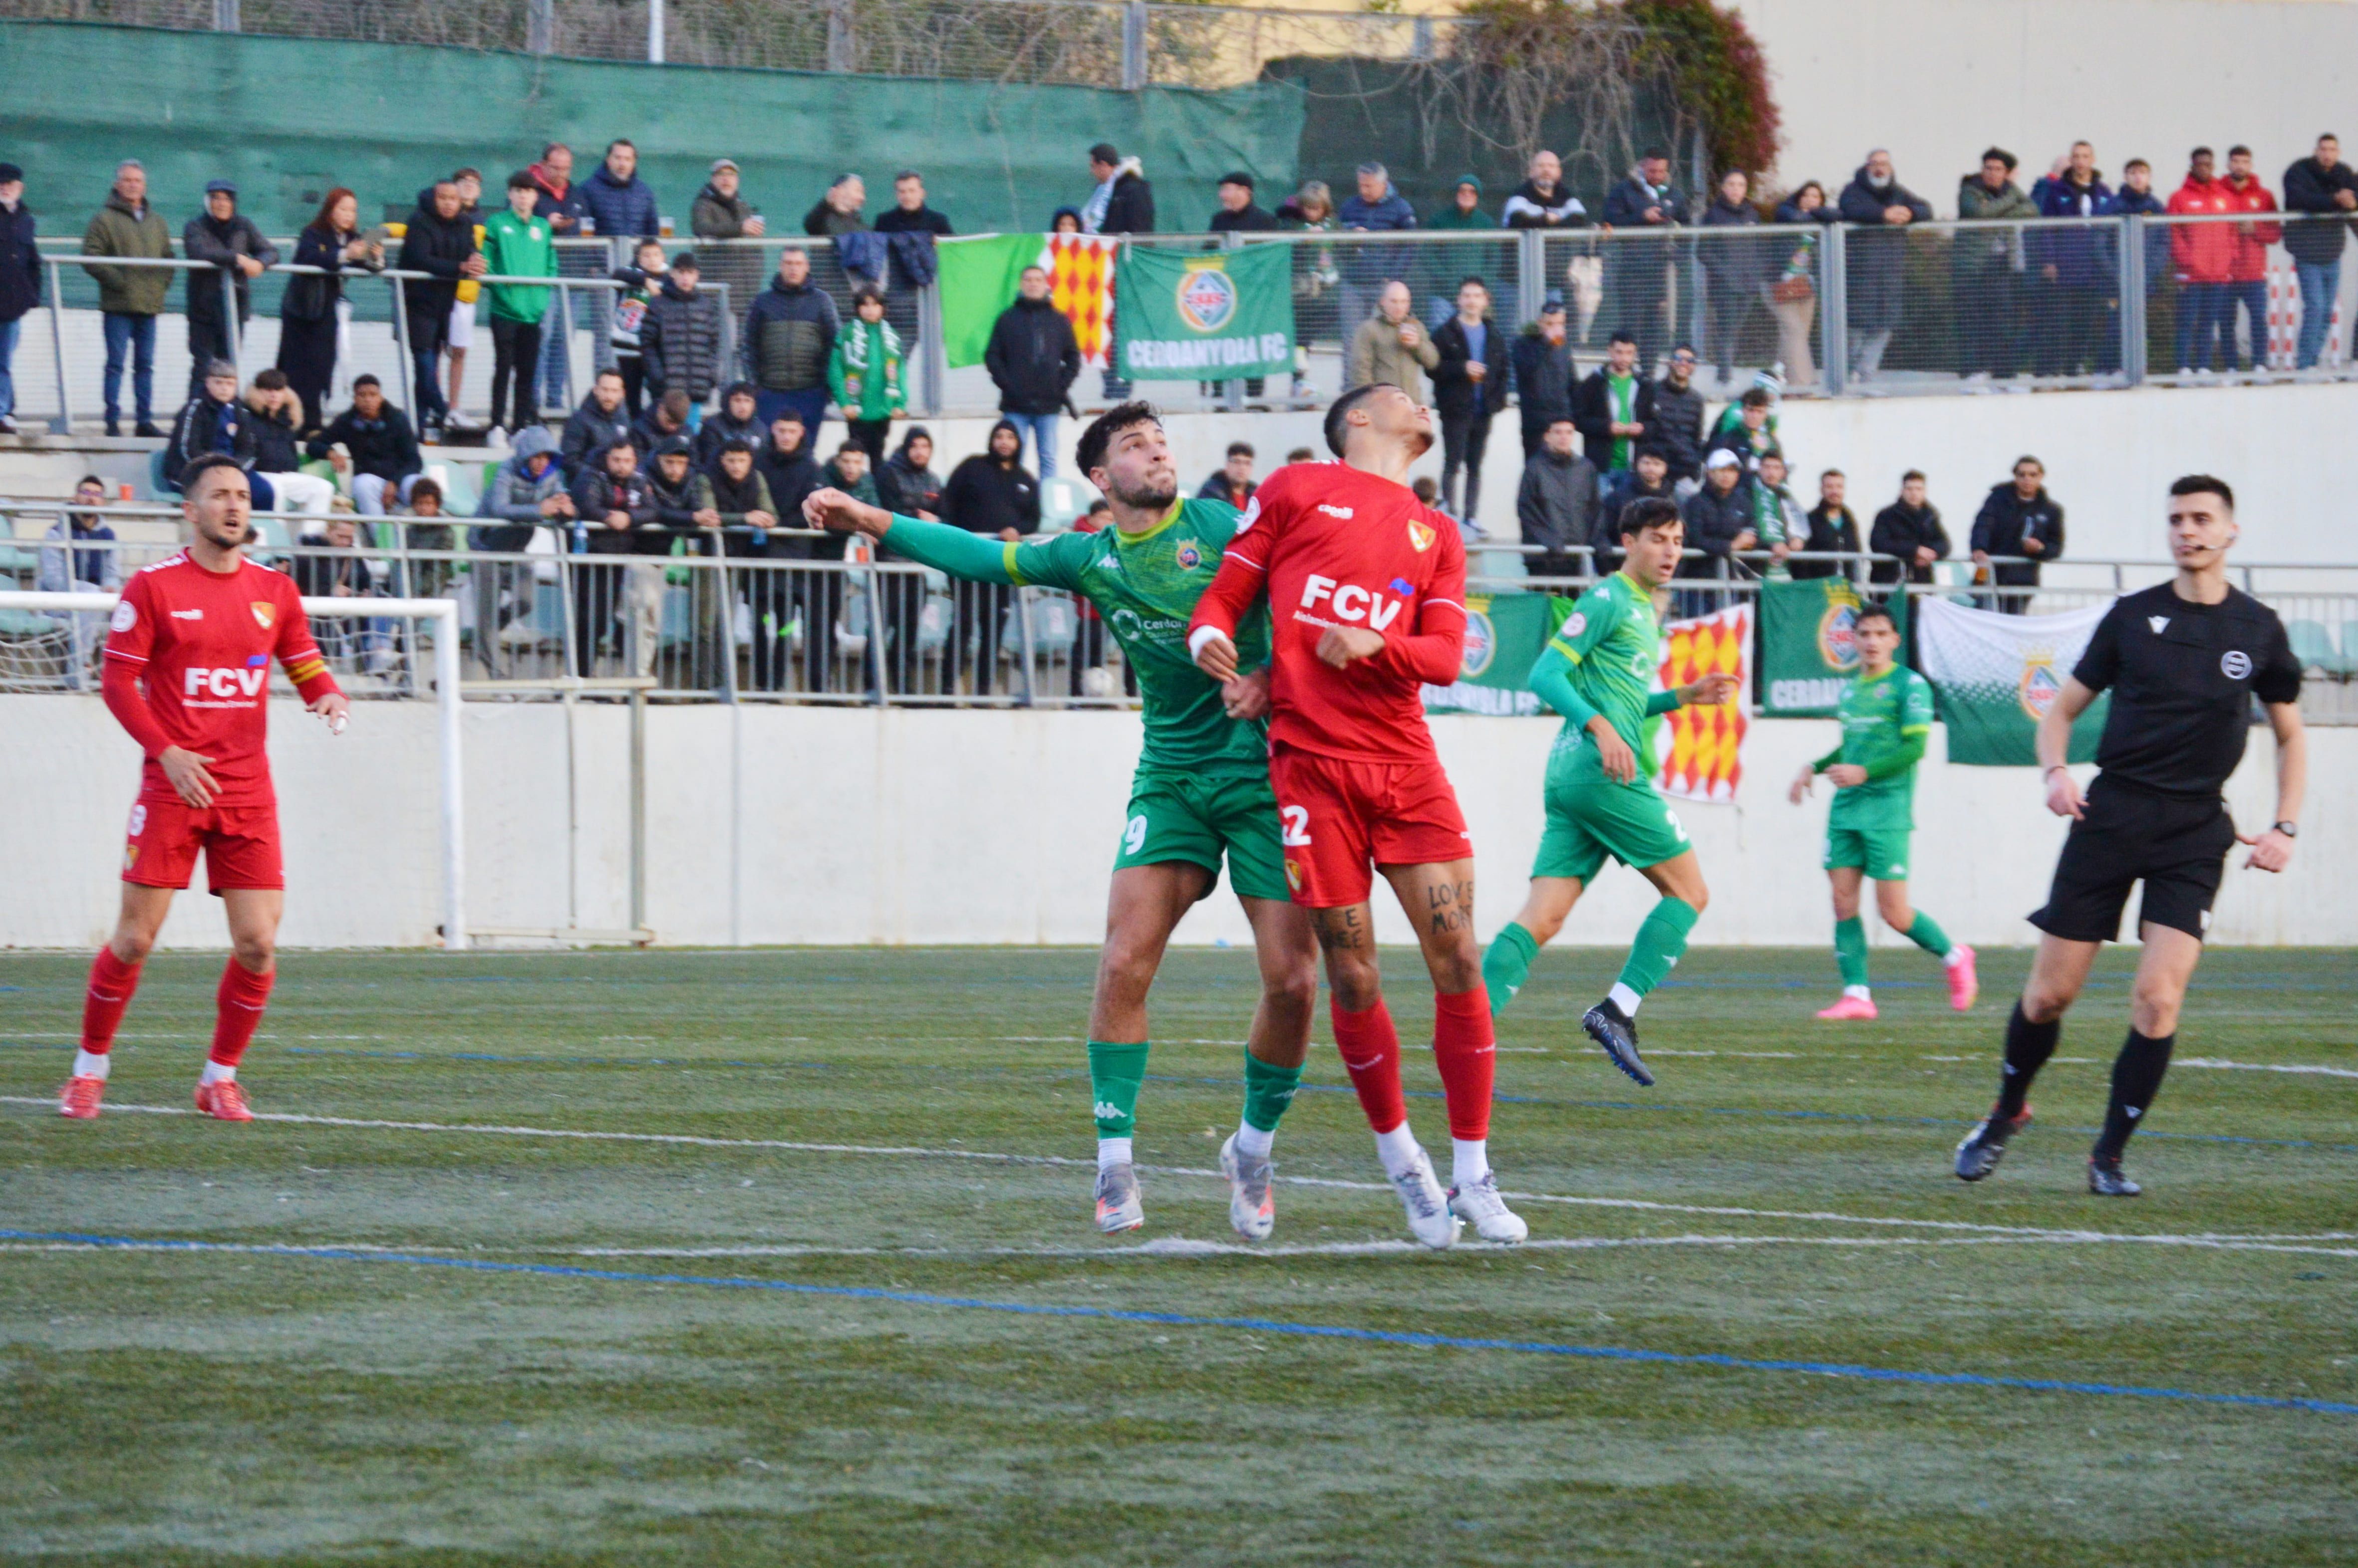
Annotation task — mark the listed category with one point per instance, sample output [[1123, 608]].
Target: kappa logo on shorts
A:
[[2235, 663], [264, 612]]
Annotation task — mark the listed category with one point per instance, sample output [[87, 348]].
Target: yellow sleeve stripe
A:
[[1915, 729], [1559, 645], [307, 670], [1008, 561]]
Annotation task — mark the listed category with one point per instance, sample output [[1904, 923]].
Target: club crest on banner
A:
[[1207, 297], [1481, 644], [2039, 687], [1838, 636]]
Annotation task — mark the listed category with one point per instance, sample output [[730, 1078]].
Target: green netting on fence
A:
[[286, 118]]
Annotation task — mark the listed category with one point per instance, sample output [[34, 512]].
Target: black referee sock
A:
[[2027, 1046], [2137, 1078]]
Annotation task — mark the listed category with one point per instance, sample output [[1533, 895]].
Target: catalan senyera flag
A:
[[1699, 751], [979, 273]]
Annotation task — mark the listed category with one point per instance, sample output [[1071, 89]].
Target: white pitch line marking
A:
[[2264, 1067], [1185, 1247], [1820, 1216]]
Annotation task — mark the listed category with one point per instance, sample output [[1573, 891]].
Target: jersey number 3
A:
[[1297, 825]]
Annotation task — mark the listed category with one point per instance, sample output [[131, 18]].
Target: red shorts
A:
[[240, 842], [1336, 816]]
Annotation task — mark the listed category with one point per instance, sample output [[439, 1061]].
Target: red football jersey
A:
[[1333, 545], [202, 642]]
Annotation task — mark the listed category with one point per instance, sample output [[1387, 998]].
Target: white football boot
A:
[[1429, 1215], [1479, 1204], [1252, 1208]]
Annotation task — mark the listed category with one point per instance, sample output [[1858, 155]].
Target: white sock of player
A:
[[90, 1064], [215, 1072], [1252, 1140], [1111, 1151], [1955, 955], [1625, 999], [1398, 1150], [1469, 1161], [1860, 992]]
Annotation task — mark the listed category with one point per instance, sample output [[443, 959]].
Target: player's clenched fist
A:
[[1215, 655], [1709, 691], [1339, 645], [833, 510]]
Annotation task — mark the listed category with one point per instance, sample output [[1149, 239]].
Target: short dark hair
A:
[[1646, 511], [1089, 452], [1302, 455], [1105, 152], [2203, 484], [521, 180], [1622, 337], [1338, 412], [1653, 155], [1912, 473], [200, 466], [1477, 278], [2239, 150], [2003, 157], [2201, 152], [621, 142], [420, 487], [2033, 462], [1873, 611], [1555, 419], [270, 379], [1832, 473], [1240, 450], [1756, 397], [602, 375], [1100, 505], [908, 174], [90, 479], [675, 402], [553, 148], [2136, 163], [850, 446], [475, 174], [366, 379]]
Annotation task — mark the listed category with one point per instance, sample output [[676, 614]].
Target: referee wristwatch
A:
[[2289, 829]]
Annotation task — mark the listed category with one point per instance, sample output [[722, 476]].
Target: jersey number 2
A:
[[1297, 824]]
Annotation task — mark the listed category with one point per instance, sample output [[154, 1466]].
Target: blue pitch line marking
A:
[[1772, 1113], [1186, 1320]]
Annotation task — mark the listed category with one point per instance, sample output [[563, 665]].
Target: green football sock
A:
[[1116, 1074], [1925, 933], [1268, 1091], [1508, 965], [1850, 950], [1659, 942]]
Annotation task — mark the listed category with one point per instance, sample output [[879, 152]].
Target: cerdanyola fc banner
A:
[[1206, 316], [1995, 676], [1808, 653]]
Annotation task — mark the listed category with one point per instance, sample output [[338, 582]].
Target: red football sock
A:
[[1464, 1049], [237, 1011], [112, 985], [1369, 1047]]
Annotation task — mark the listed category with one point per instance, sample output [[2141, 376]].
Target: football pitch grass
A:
[[770, 1257]]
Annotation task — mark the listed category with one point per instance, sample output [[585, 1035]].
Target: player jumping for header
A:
[[1366, 590], [1599, 672], [197, 631], [1887, 715], [2183, 661], [1202, 788]]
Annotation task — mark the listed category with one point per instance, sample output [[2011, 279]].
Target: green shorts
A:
[[1589, 817], [1880, 852], [1195, 818]]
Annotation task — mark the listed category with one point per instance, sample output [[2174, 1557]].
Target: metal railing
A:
[[1830, 310]]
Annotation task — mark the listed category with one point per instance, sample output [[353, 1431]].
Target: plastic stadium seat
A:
[[156, 489], [2313, 645], [1063, 502], [2348, 665]]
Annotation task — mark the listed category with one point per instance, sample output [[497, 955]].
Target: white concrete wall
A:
[[772, 825], [1937, 80]]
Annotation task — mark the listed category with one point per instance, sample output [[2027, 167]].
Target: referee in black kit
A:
[[2183, 661]]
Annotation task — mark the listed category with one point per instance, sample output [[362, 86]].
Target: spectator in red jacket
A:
[[2202, 258], [2247, 272]]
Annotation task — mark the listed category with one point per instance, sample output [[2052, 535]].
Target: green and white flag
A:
[[1204, 316], [1995, 676], [1808, 653]]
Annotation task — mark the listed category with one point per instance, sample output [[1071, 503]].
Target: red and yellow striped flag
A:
[[1699, 751]]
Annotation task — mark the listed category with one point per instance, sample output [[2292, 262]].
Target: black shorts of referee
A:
[[2176, 845]]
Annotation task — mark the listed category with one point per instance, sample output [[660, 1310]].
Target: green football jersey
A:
[[1615, 644], [1146, 586], [1880, 716]]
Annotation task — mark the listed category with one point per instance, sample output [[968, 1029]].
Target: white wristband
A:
[[1201, 635]]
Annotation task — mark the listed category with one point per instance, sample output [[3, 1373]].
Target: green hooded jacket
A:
[[117, 231]]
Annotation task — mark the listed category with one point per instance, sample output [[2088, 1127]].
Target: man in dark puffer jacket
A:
[[789, 333]]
